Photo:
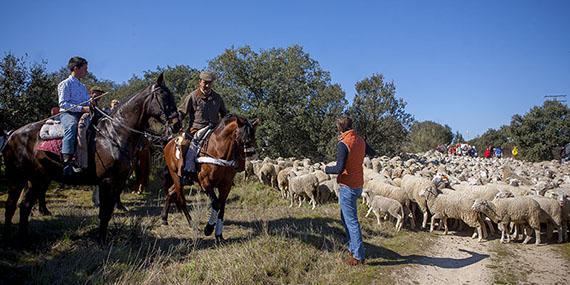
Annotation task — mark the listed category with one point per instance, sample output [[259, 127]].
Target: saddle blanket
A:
[[53, 146]]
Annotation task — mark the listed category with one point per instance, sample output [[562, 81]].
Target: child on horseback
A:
[[204, 108], [73, 102]]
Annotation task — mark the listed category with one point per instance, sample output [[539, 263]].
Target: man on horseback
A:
[[204, 108], [73, 102]]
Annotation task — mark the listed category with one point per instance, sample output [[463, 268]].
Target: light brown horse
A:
[[230, 142], [109, 163]]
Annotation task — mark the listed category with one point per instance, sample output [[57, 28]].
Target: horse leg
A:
[[119, 204], [182, 206], [42, 203], [169, 189], [224, 192], [107, 200], [215, 204], [166, 208], [26, 208], [14, 190]]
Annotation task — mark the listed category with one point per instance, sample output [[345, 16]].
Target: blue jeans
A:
[[69, 122], [348, 214]]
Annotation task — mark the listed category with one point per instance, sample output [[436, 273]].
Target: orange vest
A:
[[353, 174]]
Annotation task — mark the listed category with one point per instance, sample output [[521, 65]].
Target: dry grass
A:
[[267, 243]]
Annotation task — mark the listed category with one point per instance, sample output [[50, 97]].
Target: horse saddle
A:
[[51, 137], [184, 141]]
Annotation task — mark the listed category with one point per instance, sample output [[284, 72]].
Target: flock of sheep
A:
[[518, 198]]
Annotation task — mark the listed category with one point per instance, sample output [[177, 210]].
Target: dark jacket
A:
[[202, 110]]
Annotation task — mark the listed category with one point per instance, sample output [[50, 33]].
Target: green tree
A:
[[494, 138], [458, 138], [290, 93], [428, 135], [379, 116], [27, 92], [541, 131]]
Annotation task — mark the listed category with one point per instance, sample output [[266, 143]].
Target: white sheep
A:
[[283, 181], [379, 188], [382, 205], [517, 210], [454, 205], [412, 185], [327, 190], [303, 185], [267, 174]]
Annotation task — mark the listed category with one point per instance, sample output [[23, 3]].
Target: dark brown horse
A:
[[225, 152], [110, 161]]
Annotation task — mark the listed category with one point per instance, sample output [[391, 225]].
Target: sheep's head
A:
[[562, 198], [429, 191], [504, 194], [480, 205]]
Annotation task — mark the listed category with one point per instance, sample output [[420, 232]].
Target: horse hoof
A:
[[220, 239], [209, 229], [164, 222]]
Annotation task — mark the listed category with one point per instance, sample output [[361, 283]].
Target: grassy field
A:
[[267, 243]]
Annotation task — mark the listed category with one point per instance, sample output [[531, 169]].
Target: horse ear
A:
[[256, 122], [160, 79]]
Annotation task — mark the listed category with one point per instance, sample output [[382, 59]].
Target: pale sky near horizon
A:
[[468, 64]]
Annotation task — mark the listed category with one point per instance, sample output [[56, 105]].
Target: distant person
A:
[[73, 102], [515, 152], [498, 152], [351, 149], [487, 153], [472, 152]]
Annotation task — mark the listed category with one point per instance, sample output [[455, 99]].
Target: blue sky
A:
[[468, 64]]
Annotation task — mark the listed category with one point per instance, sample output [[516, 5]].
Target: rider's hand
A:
[[85, 109]]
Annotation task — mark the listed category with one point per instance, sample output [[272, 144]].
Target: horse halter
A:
[[153, 93]]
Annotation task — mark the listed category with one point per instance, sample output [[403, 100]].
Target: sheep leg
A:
[[537, 234], [526, 233], [515, 235], [503, 230], [291, 196], [408, 212], [301, 199], [445, 225], [368, 213], [424, 222], [377, 214], [560, 234], [432, 222], [399, 223]]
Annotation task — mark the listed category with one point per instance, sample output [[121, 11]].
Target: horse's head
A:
[[160, 105], [245, 134]]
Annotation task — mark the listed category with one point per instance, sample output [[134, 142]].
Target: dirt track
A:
[[461, 260]]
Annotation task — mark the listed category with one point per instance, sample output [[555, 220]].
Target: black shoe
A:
[[185, 179], [68, 170]]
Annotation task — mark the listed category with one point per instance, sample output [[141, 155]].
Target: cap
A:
[[97, 89], [207, 76]]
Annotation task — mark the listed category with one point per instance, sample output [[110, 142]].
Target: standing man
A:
[[351, 149], [73, 102], [204, 107]]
